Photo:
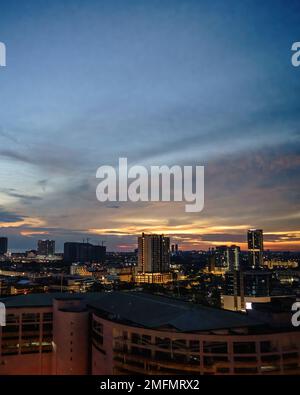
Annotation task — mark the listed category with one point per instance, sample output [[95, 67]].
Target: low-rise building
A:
[[131, 332]]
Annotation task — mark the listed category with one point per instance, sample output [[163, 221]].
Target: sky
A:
[[162, 83]]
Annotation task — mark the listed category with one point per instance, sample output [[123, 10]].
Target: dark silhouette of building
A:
[[3, 245], [83, 252], [46, 247]]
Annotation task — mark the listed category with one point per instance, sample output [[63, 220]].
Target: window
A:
[[244, 359], [211, 361], [179, 344], [215, 347], [146, 339], [163, 342], [195, 346], [97, 327], [135, 338], [265, 346], [244, 348], [245, 370], [30, 317], [163, 356], [180, 358], [47, 317], [144, 352], [12, 318], [97, 334]]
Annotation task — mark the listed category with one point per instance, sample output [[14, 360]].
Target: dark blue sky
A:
[[160, 82]]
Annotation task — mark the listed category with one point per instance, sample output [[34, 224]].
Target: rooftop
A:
[[145, 310], [153, 311]]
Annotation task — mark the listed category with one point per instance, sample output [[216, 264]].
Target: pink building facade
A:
[[66, 335]]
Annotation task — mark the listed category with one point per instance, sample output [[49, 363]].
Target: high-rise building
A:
[[255, 248], [246, 287], [3, 245], [83, 252], [227, 257], [153, 254], [233, 257], [46, 247]]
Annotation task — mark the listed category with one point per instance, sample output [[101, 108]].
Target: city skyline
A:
[[184, 83], [50, 244]]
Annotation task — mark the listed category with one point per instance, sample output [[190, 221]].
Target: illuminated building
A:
[[242, 288], [81, 270], [153, 278], [224, 258], [153, 254], [278, 264], [255, 248], [131, 333]]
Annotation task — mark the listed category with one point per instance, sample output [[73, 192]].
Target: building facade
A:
[[131, 333], [153, 254], [3, 245], [255, 248], [244, 287], [224, 257], [83, 252], [46, 247]]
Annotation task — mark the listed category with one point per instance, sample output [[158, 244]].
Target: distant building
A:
[[255, 248], [174, 249], [121, 333], [224, 257], [80, 270], [278, 264], [46, 247], [83, 252], [153, 254], [153, 278], [242, 288], [3, 245]]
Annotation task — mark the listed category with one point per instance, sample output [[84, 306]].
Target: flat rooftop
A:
[[153, 311], [145, 310], [45, 299]]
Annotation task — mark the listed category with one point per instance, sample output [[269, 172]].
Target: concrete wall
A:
[[70, 338]]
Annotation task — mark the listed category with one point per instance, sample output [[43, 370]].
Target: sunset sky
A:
[[162, 83]]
